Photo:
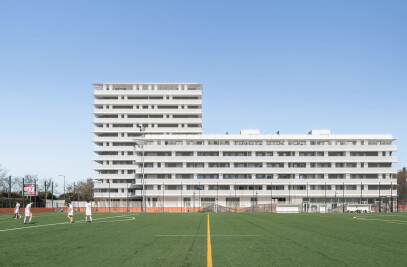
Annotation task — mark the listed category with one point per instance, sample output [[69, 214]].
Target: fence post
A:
[[73, 199], [52, 195], [308, 201], [199, 200], [9, 191], [253, 200], [289, 193], [36, 192], [234, 201], [22, 193], [380, 200], [271, 197], [109, 196], [391, 197], [217, 196], [45, 189], [343, 197], [397, 202]]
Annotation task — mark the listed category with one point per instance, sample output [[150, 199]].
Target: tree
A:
[[48, 184], [17, 182], [85, 189], [402, 186], [4, 182], [82, 188]]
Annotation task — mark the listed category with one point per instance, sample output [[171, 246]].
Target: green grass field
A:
[[237, 239]]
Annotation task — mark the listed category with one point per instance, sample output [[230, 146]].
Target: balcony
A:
[[147, 101]]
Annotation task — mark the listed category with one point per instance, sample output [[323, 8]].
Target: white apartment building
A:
[[185, 168]]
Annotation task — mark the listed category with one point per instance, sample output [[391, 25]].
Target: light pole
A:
[[335, 197], [141, 146], [64, 185], [194, 201], [257, 200]]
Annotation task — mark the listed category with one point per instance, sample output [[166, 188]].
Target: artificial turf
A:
[[237, 239]]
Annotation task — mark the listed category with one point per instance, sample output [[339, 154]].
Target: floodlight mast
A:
[[141, 146]]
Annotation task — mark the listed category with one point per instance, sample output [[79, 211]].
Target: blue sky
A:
[[290, 66]]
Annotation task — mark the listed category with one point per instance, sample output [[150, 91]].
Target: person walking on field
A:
[[88, 212], [70, 212], [28, 212], [17, 211]]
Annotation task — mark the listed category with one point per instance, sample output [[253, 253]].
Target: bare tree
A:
[[28, 179], [402, 186], [16, 184], [82, 188], [85, 189], [4, 182], [47, 183]]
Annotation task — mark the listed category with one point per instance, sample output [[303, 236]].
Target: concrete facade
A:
[[183, 167]]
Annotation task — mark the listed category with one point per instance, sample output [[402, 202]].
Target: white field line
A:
[[127, 218], [38, 215], [389, 215], [380, 220]]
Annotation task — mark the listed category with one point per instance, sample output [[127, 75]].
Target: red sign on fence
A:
[[29, 190]]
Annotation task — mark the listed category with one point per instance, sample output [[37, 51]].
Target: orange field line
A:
[[209, 246]]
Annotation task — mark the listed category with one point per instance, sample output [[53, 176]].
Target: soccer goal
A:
[[288, 208]]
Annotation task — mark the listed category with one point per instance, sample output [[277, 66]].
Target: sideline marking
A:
[[235, 235], [128, 218], [380, 220], [180, 235], [207, 235], [209, 249]]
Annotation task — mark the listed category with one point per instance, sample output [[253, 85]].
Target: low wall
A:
[[97, 209], [33, 210], [148, 209]]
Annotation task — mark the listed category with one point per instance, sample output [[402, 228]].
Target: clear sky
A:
[[290, 66]]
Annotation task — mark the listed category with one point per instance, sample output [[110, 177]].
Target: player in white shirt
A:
[[70, 212], [88, 212], [28, 212], [17, 211]]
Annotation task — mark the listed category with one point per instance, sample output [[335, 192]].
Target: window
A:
[[207, 176], [240, 165], [167, 107], [237, 176], [275, 165], [195, 165], [184, 176], [184, 154], [285, 176], [167, 125], [296, 165], [122, 107], [320, 187], [207, 154], [336, 176], [275, 187]]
